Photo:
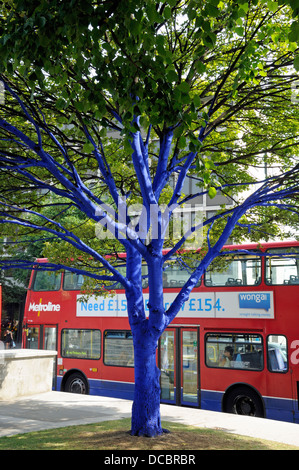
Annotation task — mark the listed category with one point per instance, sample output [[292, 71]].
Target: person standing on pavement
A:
[[8, 340]]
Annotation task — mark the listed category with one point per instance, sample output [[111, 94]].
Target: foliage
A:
[[110, 104]]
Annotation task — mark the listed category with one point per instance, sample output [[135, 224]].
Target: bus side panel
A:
[[281, 409], [103, 380], [211, 400], [113, 389]]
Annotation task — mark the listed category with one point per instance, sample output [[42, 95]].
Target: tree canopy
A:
[[189, 67], [108, 104]]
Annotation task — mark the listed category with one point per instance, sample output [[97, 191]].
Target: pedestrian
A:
[[8, 340]]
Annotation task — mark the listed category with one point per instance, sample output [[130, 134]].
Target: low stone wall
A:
[[25, 372]]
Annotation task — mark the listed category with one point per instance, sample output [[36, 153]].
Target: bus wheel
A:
[[244, 401], [76, 383]]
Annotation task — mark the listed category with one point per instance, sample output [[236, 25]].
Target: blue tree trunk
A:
[[146, 419], [146, 332]]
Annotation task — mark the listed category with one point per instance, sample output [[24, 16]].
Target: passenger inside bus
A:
[[225, 360], [234, 351], [165, 280]]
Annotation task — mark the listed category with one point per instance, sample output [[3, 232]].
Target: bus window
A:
[[234, 351], [175, 275], [283, 268], [45, 280], [72, 281], [277, 353], [144, 276], [117, 285], [118, 348], [81, 344], [239, 271]]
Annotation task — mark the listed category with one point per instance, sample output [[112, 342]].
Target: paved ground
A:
[[57, 409]]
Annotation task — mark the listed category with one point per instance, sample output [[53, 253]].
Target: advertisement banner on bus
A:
[[199, 305]]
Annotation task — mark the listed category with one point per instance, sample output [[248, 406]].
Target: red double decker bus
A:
[[233, 347]]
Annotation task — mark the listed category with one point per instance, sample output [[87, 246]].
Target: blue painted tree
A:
[[188, 90]]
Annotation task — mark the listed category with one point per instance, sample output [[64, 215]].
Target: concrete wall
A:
[[25, 372]]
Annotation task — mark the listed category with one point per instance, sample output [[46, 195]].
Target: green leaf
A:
[[182, 142], [172, 75], [5, 38], [296, 63], [42, 21], [210, 39], [192, 14], [167, 13], [184, 87], [61, 103], [209, 164], [88, 147], [152, 14], [200, 67], [245, 7], [239, 31], [212, 11], [212, 192], [294, 34], [272, 5], [197, 101]]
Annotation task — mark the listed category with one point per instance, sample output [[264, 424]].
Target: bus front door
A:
[[179, 365], [33, 337], [43, 337], [50, 337], [50, 344]]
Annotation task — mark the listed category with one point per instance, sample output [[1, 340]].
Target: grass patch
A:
[[114, 435]]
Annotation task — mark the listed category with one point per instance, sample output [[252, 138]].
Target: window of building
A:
[[234, 351]]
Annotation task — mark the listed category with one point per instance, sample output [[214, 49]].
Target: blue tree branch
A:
[[162, 175], [52, 267], [61, 233]]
